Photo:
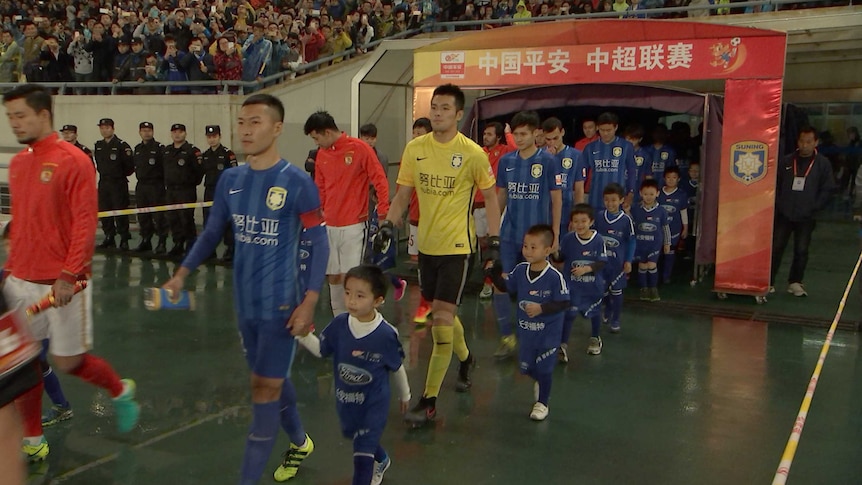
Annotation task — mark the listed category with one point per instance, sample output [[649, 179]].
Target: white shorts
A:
[[70, 327], [481, 222], [346, 245], [413, 241]]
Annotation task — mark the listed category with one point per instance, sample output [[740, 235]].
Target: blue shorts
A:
[[537, 361], [647, 253], [510, 255], [269, 347], [586, 305], [616, 277], [363, 424]]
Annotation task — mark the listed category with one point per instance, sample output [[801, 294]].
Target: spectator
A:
[[152, 33], [313, 41], [293, 59], [228, 64], [120, 62], [256, 54], [171, 70], [83, 62], [198, 65], [337, 9], [364, 33], [176, 27], [10, 56], [56, 64], [341, 40], [385, 22], [620, 7], [637, 9], [521, 12], [279, 49], [134, 67], [31, 50], [103, 49], [151, 74]]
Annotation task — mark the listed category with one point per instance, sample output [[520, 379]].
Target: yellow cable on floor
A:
[[792, 442]]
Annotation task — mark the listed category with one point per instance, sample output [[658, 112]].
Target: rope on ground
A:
[[158, 208], [790, 450]]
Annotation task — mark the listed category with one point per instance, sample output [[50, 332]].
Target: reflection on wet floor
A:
[[673, 399]]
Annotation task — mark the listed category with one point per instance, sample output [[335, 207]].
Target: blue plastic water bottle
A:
[[162, 299]]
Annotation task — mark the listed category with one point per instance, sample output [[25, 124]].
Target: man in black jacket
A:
[[804, 186], [199, 65], [103, 48], [183, 173], [114, 162], [150, 191]]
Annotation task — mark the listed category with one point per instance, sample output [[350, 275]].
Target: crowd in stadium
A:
[[216, 40]]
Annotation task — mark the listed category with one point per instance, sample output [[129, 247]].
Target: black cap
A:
[[106, 121], [145, 124], [137, 40], [178, 126], [124, 40], [69, 128], [213, 130]]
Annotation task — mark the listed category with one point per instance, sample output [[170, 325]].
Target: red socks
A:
[[99, 373], [29, 406]]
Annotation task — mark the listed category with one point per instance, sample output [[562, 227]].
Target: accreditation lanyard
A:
[[799, 182]]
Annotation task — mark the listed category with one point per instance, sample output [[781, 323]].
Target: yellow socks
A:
[[441, 356]]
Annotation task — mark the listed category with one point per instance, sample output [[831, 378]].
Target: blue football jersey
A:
[[543, 331], [567, 158], [267, 210], [609, 162], [528, 184], [673, 203], [651, 228], [579, 252], [662, 158], [361, 366], [643, 162], [618, 231], [691, 186]]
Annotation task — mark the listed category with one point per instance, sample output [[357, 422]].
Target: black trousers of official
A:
[[801, 231], [114, 195], [209, 195], [182, 221], [149, 194]]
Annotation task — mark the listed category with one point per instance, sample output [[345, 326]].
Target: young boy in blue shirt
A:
[[529, 190], [364, 349], [618, 231], [674, 201], [653, 237], [543, 298], [584, 255]]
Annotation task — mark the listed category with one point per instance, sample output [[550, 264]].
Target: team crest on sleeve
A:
[[276, 197], [567, 163], [457, 160], [639, 161], [748, 161], [618, 151], [536, 170], [47, 172], [348, 158]]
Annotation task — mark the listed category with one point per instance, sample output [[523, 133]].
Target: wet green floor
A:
[[677, 398]]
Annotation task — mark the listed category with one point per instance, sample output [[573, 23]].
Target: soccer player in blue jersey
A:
[[268, 202], [543, 298], [634, 134], [653, 238], [567, 158], [364, 349], [609, 159], [618, 231], [674, 201], [663, 155], [529, 185], [584, 255]]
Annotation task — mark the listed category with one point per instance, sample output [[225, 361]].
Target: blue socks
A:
[[380, 455], [667, 268], [363, 468], [615, 303], [261, 440], [596, 323], [544, 381], [52, 383], [652, 278], [290, 421], [503, 309], [642, 277], [568, 321]]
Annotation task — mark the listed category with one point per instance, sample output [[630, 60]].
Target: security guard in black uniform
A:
[[114, 162], [70, 134], [216, 159], [150, 191], [183, 172]]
